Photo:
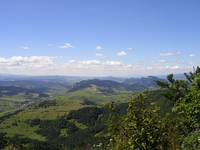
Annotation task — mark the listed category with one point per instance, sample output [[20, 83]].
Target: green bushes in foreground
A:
[[144, 128]]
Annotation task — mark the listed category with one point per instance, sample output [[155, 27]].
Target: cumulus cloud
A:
[[162, 60], [89, 62], [174, 67], [166, 69], [47, 65], [25, 47], [192, 55], [166, 54], [99, 48], [97, 67], [99, 54], [121, 53], [130, 49], [20, 61], [95, 62], [66, 45]]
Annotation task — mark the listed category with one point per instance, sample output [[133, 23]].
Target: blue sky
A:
[[99, 37]]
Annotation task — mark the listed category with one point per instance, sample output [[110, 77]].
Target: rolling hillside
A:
[[78, 111]]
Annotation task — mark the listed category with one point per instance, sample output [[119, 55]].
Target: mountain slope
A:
[[131, 84]]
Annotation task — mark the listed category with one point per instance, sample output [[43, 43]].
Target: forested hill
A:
[[130, 84]]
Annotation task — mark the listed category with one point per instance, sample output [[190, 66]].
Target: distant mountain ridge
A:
[[131, 84], [144, 81]]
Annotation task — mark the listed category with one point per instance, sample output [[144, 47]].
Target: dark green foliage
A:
[[3, 140], [45, 104], [20, 143], [87, 115], [13, 90], [144, 127], [34, 122], [188, 110], [87, 102], [141, 128], [174, 89], [192, 75]]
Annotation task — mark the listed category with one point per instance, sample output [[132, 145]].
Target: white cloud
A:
[[130, 49], [47, 65], [97, 67], [192, 55], [95, 62], [166, 54], [20, 61], [149, 68], [66, 45], [112, 67], [121, 53], [25, 47], [89, 62], [99, 54], [162, 60], [99, 48], [175, 67], [113, 63], [72, 61]]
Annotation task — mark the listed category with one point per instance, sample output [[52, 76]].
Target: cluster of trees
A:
[[144, 127], [76, 136]]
